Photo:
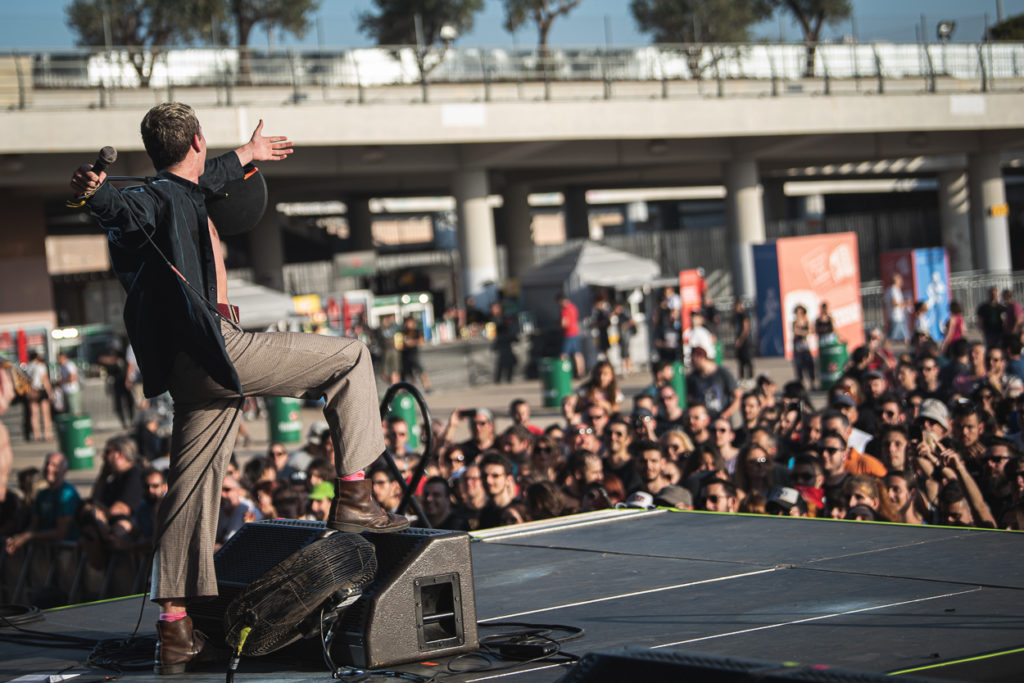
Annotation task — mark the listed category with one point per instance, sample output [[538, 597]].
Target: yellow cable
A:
[[241, 638]]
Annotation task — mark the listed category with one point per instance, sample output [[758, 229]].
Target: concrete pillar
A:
[[577, 218], [360, 223], [266, 248], [955, 219], [744, 212], [991, 225], [517, 229], [476, 235]]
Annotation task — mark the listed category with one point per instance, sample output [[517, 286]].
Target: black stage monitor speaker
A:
[[661, 665], [421, 605]]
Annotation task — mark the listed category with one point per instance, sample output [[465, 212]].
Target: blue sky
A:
[[40, 23]]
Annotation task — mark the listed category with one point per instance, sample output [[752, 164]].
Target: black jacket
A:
[[162, 314]]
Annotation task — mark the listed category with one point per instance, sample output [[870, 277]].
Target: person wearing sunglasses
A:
[[834, 452], [618, 460], [481, 431], [808, 477], [720, 495]]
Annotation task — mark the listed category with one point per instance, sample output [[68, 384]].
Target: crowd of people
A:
[[929, 435], [920, 436]]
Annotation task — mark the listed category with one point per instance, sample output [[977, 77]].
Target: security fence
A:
[[51, 573]]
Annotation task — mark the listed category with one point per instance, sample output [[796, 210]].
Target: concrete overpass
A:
[[471, 149]]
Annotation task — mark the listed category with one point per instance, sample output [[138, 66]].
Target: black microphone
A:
[[107, 156]]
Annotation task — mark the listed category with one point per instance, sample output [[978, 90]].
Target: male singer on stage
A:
[[167, 254]]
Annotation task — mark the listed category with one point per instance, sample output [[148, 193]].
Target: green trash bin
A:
[[404, 406], [679, 383], [74, 433], [831, 361], [556, 380], [285, 415]]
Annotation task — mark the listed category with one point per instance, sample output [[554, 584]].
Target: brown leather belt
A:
[[229, 312]]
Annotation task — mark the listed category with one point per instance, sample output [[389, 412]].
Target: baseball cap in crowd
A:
[[843, 400], [1014, 387], [324, 490], [317, 431], [873, 374], [640, 499], [674, 496], [782, 499], [935, 410], [861, 512], [485, 413]]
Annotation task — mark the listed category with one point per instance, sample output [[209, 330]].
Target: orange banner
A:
[[817, 269]]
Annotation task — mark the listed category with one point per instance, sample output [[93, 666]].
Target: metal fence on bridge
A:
[[482, 74]]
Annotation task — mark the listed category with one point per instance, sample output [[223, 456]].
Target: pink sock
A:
[[355, 476], [173, 616]]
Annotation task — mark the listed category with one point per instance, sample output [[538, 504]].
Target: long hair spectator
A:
[[676, 445], [544, 500], [705, 458], [546, 459], [868, 491], [755, 473], [602, 388]]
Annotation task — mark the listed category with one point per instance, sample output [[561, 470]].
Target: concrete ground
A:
[[440, 402]]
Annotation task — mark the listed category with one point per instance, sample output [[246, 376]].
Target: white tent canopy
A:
[[589, 264], [259, 307], [575, 271]]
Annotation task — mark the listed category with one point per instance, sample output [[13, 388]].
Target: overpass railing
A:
[[485, 74]]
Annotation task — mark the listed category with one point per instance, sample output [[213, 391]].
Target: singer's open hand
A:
[[84, 181], [264, 148]]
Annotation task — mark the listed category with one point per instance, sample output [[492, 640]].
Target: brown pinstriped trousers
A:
[[206, 417]]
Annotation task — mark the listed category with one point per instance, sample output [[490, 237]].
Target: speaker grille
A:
[[258, 546]]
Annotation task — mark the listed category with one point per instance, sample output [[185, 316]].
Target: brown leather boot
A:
[[354, 510], [179, 646]]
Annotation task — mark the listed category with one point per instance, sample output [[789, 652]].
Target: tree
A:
[[419, 23], [143, 27], [541, 12], [693, 22], [1011, 28], [812, 15], [289, 15]]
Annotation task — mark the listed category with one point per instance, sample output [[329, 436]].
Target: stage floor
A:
[[877, 598]]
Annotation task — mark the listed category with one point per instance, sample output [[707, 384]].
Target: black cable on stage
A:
[[527, 644], [14, 614]]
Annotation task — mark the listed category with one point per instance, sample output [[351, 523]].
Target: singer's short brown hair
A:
[[167, 132]]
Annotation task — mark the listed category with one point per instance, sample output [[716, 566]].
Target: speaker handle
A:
[[428, 447]]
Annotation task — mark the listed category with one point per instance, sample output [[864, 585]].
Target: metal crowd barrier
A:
[[59, 569]]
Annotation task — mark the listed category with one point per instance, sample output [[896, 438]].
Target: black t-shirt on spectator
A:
[[627, 474], [125, 487]]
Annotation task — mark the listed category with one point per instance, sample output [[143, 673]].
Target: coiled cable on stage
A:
[[123, 654], [409, 488]]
